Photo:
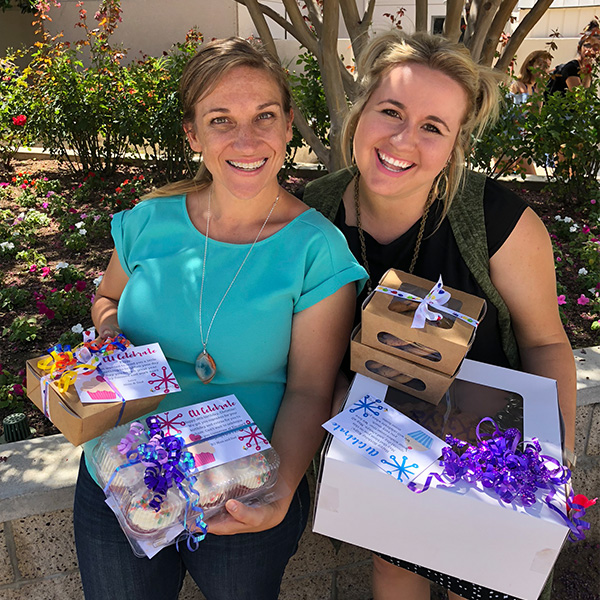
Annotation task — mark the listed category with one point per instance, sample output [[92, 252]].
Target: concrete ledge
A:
[[38, 476]]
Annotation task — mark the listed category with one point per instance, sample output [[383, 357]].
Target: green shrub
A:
[[565, 139]]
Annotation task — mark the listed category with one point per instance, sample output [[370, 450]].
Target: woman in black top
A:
[[579, 70], [404, 205]]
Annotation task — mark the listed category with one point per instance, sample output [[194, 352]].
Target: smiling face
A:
[[242, 130], [407, 131]]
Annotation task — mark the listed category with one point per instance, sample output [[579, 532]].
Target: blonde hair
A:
[[526, 75], [453, 60], [200, 77]]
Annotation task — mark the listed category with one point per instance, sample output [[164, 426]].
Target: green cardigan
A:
[[466, 217]]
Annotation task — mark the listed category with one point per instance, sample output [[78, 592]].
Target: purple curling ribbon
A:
[[167, 464], [513, 469]]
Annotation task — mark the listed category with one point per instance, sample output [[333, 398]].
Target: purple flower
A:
[[583, 300], [561, 299]]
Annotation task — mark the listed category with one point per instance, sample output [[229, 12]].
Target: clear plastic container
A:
[[250, 479]]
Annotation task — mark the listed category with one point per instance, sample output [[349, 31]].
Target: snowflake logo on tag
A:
[[369, 405], [253, 436], [163, 380], [399, 470], [170, 425]]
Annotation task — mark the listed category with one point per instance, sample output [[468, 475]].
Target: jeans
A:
[[247, 566]]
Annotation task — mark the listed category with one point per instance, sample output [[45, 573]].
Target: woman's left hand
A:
[[248, 519]]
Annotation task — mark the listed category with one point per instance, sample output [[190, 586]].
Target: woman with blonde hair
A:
[[248, 292], [408, 203]]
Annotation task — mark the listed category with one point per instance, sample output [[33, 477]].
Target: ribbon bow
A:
[[437, 298], [168, 464], [514, 470], [63, 364]]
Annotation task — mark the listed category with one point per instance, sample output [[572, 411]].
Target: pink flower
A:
[[44, 205], [582, 300], [33, 268], [585, 229], [19, 121], [18, 389], [562, 299], [592, 202], [45, 271], [558, 259]]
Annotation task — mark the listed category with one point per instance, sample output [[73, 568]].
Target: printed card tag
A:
[[215, 432], [389, 439], [136, 372]]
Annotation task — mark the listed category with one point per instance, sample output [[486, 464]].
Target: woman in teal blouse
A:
[[248, 292]]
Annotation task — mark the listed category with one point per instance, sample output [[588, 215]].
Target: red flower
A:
[[19, 121], [80, 286], [583, 501], [68, 287]]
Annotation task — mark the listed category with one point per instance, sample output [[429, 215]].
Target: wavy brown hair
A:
[[526, 75], [200, 77]]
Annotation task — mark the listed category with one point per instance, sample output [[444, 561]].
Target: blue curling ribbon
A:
[[167, 464], [514, 470]]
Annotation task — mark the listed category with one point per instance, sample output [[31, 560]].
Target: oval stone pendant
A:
[[205, 367]]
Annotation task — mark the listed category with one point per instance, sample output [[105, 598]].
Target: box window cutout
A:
[[462, 408], [415, 348], [400, 305], [384, 371]]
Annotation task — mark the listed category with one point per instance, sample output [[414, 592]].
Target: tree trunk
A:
[[496, 28], [526, 25], [452, 22], [421, 21], [486, 14], [332, 80]]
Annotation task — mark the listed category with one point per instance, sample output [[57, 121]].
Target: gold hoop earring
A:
[[441, 191]]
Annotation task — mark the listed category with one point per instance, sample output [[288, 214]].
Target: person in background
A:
[[408, 203], [579, 70], [533, 74], [248, 292]]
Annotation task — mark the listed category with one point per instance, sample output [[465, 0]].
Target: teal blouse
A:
[[162, 253]]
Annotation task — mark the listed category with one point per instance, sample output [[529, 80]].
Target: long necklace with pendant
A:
[[361, 235], [205, 365]]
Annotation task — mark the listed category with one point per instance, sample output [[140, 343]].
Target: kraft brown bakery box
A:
[[441, 345], [81, 422], [409, 377]]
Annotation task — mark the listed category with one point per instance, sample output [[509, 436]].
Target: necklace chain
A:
[[202, 340], [361, 234]]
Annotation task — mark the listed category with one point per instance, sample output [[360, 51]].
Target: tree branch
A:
[[526, 25], [303, 34], [264, 33], [311, 42], [332, 80], [496, 28], [452, 22], [310, 137], [486, 14], [421, 15], [314, 14]]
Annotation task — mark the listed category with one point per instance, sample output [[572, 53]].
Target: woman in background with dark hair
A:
[[579, 70]]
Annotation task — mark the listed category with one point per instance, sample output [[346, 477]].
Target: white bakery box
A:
[[461, 530]]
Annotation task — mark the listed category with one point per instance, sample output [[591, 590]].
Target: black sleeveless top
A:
[[440, 255]]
